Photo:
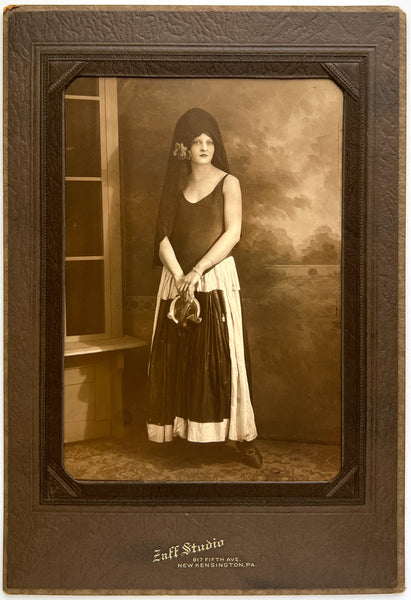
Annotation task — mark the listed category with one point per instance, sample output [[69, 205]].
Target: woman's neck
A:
[[199, 172]]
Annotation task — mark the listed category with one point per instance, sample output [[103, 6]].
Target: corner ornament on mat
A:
[[346, 482], [348, 78], [59, 485], [62, 72]]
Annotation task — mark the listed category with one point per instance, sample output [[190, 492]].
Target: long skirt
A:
[[198, 387]]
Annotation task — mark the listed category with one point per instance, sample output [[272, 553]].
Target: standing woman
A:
[[198, 382]]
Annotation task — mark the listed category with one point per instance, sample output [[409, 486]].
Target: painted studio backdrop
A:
[[283, 141]]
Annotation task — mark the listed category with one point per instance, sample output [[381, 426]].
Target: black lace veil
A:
[[193, 123]]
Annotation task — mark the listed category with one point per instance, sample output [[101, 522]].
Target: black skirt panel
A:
[[190, 367]]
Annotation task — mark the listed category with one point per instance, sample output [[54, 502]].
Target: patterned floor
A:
[[140, 460]]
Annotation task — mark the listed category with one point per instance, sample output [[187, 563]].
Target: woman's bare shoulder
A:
[[231, 182]]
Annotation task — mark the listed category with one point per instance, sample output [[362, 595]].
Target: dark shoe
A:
[[250, 454]]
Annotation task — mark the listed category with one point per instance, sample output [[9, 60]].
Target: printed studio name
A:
[[186, 549]]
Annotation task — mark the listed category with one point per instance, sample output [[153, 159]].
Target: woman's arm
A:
[[226, 242], [169, 260], [232, 226]]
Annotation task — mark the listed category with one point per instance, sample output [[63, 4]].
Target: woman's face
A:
[[202, 149]]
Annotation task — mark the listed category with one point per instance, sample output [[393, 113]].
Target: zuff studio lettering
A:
[[172, 552], [189, 548], [185, 549]]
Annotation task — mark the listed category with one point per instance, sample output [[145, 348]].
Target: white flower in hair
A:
[[181, 151]]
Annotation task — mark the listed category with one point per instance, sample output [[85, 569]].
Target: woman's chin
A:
[[201, 161]]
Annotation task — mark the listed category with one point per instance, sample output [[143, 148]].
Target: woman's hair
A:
[[192, 124]]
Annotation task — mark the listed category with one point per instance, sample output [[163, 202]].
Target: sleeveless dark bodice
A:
[[198, 226]]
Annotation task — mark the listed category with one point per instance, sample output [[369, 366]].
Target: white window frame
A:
[[110, 189]]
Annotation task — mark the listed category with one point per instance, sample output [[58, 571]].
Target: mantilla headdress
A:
[[192, 124]]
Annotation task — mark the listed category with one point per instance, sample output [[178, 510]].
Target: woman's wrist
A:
[[197, 270], [178, 274], [203, 265]]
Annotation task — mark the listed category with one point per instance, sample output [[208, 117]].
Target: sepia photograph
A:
[[203, 279]]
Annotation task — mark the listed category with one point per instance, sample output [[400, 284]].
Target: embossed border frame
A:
[[351, 71], [33, 226]]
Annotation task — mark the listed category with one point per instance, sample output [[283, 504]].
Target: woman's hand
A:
[[189, 285], [179, 281]]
